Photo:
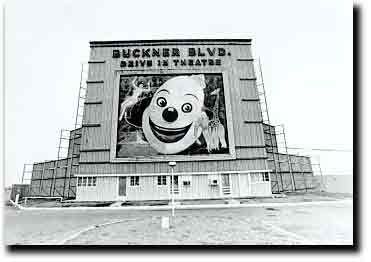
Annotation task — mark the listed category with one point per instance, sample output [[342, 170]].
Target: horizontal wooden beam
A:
[[97, 62], [95, 150], [252, 122], [257, 146], [90, 125], [245, 59], [252, 158], [248, 79], [179, 173], [250, 99], [94, 81], [170, 42], [93, 103], [95, 162]]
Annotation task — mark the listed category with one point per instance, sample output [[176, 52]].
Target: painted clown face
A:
[[169, 120]]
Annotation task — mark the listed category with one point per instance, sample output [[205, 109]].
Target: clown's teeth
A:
[[168, 135]]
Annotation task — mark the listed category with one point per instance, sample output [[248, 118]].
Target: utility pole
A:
[[172, 165]]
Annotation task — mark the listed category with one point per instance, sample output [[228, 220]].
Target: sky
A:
[[305, 48]]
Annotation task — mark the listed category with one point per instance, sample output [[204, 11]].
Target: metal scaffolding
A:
[[68, 151], [269, 136], [78, 124], [27, 173], [277, 149]]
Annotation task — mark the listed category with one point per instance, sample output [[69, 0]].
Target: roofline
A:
[[156, 42]]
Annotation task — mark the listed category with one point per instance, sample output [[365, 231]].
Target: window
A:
[[83, 181], [213, 179], [225, 180], [86, 181], [161, 180], [94, 183], [134, 181], [176, 179], [187, 180], [259, 177]]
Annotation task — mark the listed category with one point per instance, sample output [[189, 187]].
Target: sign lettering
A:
[[192, 57]]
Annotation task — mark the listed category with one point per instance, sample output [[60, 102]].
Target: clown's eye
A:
[[161, 102], [187, 107]]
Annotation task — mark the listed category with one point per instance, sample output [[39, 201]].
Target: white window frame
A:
[[89, 181], [186, 179], [162, 180], [79, 181], [134, 181], [94, 181], [84, 182]]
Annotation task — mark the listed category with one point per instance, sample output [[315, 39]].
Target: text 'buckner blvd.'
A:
[[186, 57]]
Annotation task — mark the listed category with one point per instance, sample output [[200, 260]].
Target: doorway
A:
[[226, 184], [175, 185], [122, 187]]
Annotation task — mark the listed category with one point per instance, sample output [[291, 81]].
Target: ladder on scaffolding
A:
[[78, 124], [64, 141], [27, 173], [266, 120], [316, 167], [280, 131]]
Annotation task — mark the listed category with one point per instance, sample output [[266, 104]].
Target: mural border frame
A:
[[165, 158]]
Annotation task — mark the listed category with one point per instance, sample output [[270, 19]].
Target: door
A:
[[122, 187], [226, 184], [175, 185]]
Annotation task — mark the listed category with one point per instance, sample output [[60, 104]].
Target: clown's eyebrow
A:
[[192, 95], [163, 90]]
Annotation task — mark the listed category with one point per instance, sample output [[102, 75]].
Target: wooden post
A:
[[172, 165], [220, 186], [16, 198], [249, 179], [24, 169], [239, 184]]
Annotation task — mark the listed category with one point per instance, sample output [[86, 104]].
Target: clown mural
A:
[[171, 114]]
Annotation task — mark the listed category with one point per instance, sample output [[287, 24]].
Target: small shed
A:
[[21, 189]]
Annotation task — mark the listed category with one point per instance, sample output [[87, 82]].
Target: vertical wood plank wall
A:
[[93, 154], [246, 115], [106, 189]]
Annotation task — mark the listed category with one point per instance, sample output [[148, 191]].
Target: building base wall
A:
[[189, 187]]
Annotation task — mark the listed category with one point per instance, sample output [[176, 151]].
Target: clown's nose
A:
[[170, 114]]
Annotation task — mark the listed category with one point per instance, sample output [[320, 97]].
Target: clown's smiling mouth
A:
[[168, 135]]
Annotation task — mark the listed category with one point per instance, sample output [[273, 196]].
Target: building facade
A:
[[192, 102]]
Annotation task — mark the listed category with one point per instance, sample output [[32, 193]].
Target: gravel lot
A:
[[326, 224]]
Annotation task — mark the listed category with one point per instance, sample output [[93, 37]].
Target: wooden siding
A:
[[96, 148], [247, 89], [51, 178], [148, 189], [298, 163], [19, 189], [195, 166], [105, 190], [301, 180], [270, 138], [250, 110], [74, 142], [92, 112], [245, 134], [98, 156], [260, 189]]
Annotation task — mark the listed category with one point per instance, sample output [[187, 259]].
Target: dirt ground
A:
[[309, 225]]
